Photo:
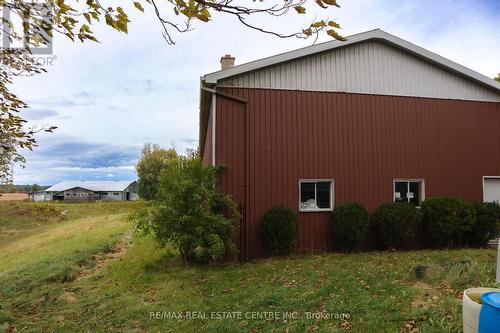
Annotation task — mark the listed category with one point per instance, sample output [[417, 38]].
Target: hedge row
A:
[[445, 222]]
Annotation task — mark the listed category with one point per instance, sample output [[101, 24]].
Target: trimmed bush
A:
[[349, 224], [395, 223], [486, 226], [280, 228], [447, 220]]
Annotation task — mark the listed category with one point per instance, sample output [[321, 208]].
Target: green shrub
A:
[[486, 226], [349, 224], [190, 213], [44, 211], [38, 211], [395, 223], [447, 220], [280, 228]]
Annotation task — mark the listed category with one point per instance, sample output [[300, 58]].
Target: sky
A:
[[110, 98]]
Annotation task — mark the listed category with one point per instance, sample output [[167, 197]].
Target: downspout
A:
[[221, 94], [214, 128], [247, 182], [243, 238]]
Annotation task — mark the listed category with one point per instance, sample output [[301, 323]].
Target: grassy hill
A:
[[75, 267]]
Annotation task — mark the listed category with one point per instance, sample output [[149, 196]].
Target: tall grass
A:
[[37, 262]]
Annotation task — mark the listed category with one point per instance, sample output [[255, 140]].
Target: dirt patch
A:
[[10, 232], [13, 196], [426, 295], [409, 326], [103, 258], [68, 297]]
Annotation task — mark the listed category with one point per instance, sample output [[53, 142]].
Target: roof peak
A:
[[375, 34], [93, 185], [102, 181]]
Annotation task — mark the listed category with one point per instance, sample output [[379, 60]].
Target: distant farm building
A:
[[88, 191]]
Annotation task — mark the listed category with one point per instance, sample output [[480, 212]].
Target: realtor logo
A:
[[27, 26]]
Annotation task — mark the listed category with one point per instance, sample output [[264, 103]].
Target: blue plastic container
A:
[[489, 317]]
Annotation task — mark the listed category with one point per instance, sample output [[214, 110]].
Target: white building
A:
[[88, 191]]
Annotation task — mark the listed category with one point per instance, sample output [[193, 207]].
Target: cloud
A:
[[96, 169], [192, 142], [53, 101], [39, 114], [76, 98], [88, 155], [73, 159], [86, 95]]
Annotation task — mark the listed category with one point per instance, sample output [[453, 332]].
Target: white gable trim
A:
[[376, 34]]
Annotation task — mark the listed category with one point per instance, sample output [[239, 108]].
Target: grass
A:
[[137, 289], [19, 218], [44, 246]]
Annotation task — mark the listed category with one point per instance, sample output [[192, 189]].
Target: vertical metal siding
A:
[[363, 142], [370, 68]]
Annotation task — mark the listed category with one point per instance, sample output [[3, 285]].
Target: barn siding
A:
[[361, 141], [370, 67], [78, 194]]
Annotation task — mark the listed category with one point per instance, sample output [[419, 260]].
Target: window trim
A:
[[422, 187], [332, 195], [483, 181]]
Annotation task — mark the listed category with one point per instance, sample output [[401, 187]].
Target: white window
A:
[[116, 193], [315, 195], [409, 190], [491, 189]]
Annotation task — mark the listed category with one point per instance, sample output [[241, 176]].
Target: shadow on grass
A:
[[170, 263], [167, 262]]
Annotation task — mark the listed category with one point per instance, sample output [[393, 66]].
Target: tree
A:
[[35, 187], [497, 78], [152, 162], [70, 19], [190, 213], [13, 134], [11, 188], [74, 20], [7, 158]]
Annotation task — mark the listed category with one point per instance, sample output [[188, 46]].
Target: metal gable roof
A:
[[96, 186], [377, 34]]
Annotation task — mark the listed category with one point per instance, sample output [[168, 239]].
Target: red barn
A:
[[370, 120]]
